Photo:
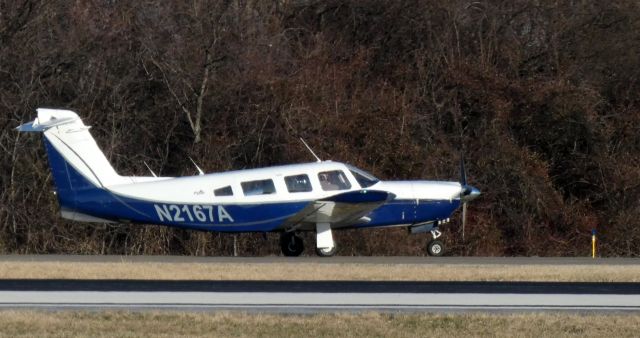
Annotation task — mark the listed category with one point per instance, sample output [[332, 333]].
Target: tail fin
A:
[[69, 143]]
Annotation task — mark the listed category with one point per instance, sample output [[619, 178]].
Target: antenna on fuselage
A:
[[148, 167], [200, 172], [310, 150]]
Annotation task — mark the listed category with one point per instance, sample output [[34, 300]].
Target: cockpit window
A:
[[364, 178], [261, 187], [298, 183], [333, 180], [224, 191]]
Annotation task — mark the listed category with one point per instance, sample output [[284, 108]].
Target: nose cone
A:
[[470, 193]]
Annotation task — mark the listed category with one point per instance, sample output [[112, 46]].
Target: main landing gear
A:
[[435, 247], [292, 245]]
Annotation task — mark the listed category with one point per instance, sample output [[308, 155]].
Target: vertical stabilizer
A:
[[69, 143]]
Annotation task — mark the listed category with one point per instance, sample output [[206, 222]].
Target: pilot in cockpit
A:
[[326, 183]]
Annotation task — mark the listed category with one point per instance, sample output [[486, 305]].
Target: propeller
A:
[[467, 193], [464, 218]]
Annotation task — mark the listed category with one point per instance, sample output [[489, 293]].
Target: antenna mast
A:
[[310, 150], [152, 173], [200, 172]]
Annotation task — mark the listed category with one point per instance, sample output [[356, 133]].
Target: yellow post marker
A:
[[593, 243]]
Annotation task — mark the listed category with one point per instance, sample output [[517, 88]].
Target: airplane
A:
[[320, 196]]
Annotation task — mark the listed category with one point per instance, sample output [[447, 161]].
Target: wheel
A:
[[291, 245], [326, 252], [435, 248]]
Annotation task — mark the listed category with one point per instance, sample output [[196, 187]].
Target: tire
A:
[[435, 248], [327, 253], [291, 245]]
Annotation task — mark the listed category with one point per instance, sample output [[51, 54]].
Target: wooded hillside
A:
[[542, 96]]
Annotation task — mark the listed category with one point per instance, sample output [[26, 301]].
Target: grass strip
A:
[[230, 324], [316, 271]]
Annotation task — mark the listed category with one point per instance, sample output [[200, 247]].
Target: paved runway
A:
[[328, 260], [315, 296]]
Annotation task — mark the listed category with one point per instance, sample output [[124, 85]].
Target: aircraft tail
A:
[[76, 161]]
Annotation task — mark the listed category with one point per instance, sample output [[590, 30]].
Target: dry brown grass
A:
[[222, 324], [316, 271]]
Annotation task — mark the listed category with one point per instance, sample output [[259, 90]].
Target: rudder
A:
[[69, 143]]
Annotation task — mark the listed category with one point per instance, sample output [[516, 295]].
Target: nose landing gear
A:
[[435, 247], [327, 252]]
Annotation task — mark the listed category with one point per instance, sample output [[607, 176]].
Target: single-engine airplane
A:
[[322, 196]]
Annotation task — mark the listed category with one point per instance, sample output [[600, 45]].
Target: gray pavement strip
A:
[[317, 302]]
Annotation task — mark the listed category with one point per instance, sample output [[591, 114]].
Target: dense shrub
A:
[[542, 97]]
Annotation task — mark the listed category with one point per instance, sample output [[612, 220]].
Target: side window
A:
[[298, 183], [224, 191], [261, 187], [333, 180]]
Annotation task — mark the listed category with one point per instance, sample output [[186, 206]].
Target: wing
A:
[[339, 210]]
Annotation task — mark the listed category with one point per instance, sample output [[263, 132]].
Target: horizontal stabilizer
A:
[[48, 118], [80, 217]]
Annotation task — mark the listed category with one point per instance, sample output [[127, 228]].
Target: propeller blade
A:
[[464, 218], [463, 173]]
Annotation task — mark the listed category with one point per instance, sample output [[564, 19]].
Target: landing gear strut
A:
[[435, 247], [291, 245], [325, 246]]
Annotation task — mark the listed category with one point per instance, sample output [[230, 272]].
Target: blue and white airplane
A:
[[321, 196]]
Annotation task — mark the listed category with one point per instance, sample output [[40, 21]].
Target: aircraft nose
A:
[[470, 193]]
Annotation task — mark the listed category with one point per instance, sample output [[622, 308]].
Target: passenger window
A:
[[298, 183], [224, 191], [333, 180], [261, 187]]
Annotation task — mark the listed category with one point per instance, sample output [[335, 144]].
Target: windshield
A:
[[364, 178]]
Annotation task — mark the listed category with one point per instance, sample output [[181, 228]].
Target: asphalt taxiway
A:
[[329, 260], [319, 296]]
